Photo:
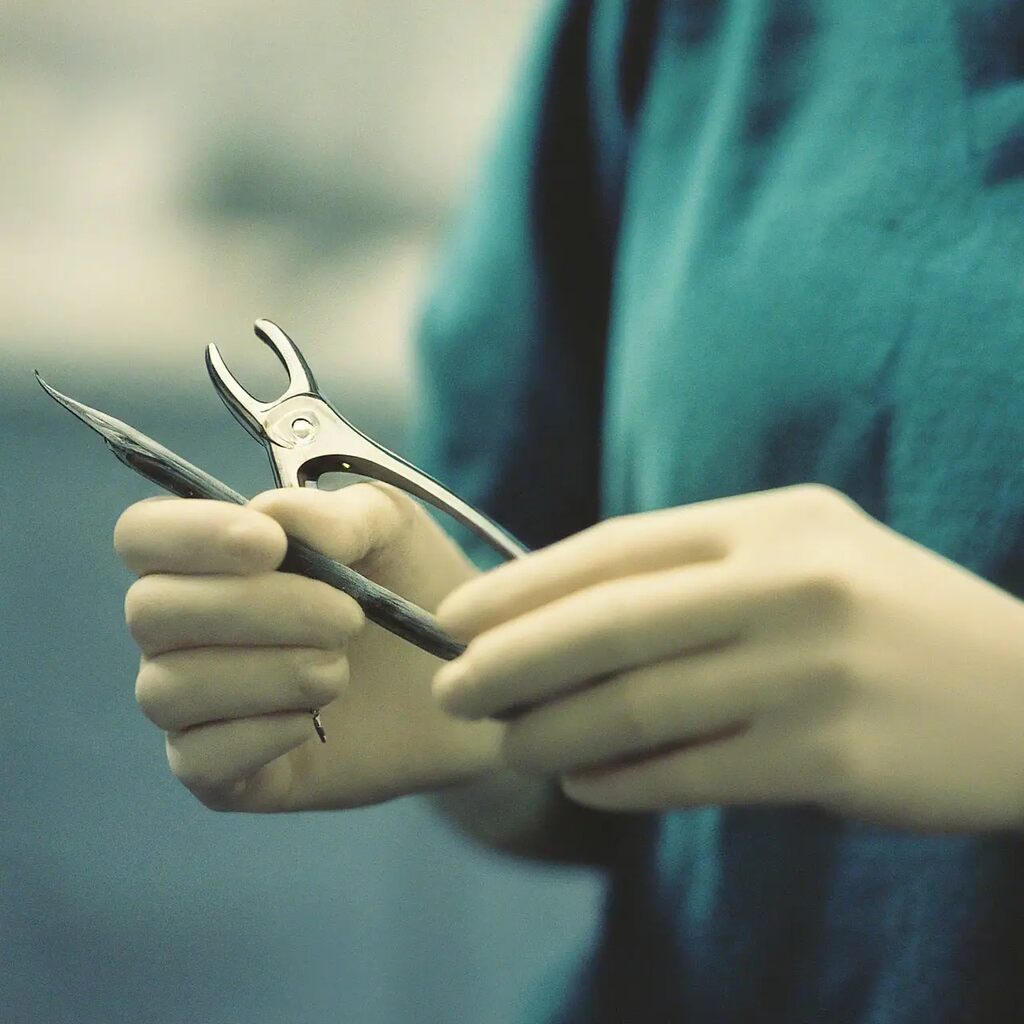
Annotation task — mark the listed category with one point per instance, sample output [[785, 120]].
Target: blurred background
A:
[[168, 173]]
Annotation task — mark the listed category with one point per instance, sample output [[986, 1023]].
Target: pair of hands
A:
[[775, 647]]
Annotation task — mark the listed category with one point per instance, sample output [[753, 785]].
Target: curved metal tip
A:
[[83, 412], [99, 421], [300, 376], [62, 399], [248, 409]]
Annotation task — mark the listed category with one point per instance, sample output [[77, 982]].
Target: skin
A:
[[774, 647], [234, 653]]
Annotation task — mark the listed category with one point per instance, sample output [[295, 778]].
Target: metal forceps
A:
[[306, 437]]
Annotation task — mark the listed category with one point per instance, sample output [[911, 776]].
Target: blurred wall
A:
[[169, 173]]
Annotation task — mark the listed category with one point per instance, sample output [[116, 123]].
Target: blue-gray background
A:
[[169, 173]]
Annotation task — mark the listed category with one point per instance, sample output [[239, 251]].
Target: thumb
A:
[[348, 525]]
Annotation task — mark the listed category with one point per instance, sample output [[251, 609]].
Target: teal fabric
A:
[[724, 246]]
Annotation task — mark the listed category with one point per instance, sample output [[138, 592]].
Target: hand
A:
[[775, 647], [234, 654]]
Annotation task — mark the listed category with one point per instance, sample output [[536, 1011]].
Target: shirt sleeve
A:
[[509, 355]]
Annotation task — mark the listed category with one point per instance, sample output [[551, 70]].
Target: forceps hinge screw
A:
[[303, 429], [292, 428]]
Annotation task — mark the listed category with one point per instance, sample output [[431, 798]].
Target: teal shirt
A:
[[724, 246]]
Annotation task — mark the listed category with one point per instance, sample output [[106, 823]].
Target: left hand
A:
[[775, 647]]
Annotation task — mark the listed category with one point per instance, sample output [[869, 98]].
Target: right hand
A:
[[234, 653]]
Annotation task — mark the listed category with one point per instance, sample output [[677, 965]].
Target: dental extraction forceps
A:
[[306, 437]]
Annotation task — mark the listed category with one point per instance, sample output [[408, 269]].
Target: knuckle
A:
[[482, 656], [518, 746], [404, 510], [345, 617], [141, 606], [372, 516], [214, 800], [603, 537], [226, 795], [813, 493], [321, 678], [540, 741], [133, 520], [153, 695], [204, 781], [826, 764], [826, 680], [192, 762], [196, 776], [824, 586], [839, 765], [123, 531], [279, 502], [609, 525], [611, 532], [836, 673], [632, 712], [613, 639], [331, 615], [252, 541], [815, 586], [822, 505]]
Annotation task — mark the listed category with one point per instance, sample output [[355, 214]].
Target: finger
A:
[[213, 759], [347, 525], [762, 764], [594, 632], [193, 536], [273, 609], [623, 546], [181, 689], [650, 707]]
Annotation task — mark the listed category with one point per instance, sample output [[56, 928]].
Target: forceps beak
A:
[[250, 412], [307, 437]]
